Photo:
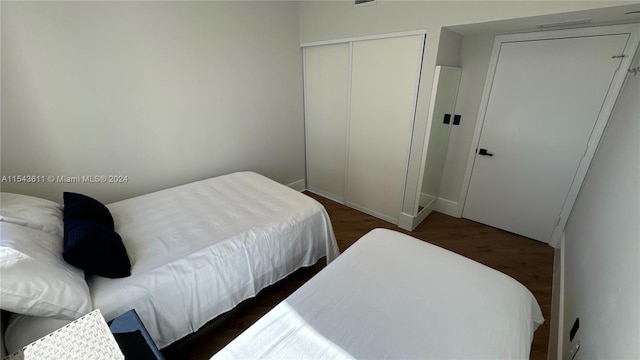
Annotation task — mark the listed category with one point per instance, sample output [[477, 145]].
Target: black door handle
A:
[[484, 152]]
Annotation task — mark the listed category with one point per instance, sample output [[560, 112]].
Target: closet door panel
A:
[[326, 114], [383, 93]]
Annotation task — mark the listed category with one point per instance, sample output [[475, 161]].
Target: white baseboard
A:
[[429, 203], [363, 209], [447, 207], [298, 185], [561, 300], [326, 195], [379, 215], [405, 221], [426, 199], [557, 304]]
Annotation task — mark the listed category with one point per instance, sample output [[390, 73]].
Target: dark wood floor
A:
[[528, 261]]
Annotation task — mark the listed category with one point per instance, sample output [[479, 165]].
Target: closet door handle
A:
[[484, 152]]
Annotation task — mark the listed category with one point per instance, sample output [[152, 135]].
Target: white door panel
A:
[[544, 102], [326, 115], [384, 83]]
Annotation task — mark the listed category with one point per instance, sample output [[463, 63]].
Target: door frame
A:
[[634, 31]]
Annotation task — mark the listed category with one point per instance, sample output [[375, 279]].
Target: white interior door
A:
[[544, 102], [326, 115], [384, 83]]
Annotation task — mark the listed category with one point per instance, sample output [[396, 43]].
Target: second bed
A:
[[392, 296]]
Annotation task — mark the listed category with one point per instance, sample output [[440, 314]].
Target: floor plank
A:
[[528, 261]]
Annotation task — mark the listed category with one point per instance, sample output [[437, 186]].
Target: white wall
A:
[[449, 47], [170, 92], [475, 57], [450, 44], [162, 92], [602, 242]]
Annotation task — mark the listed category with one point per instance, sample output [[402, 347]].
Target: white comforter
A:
[[395, 297], [200, 249]]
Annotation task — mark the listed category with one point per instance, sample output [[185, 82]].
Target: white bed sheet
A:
[[199, 249], [395, 297]]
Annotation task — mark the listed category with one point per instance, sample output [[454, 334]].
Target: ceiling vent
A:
[[364, 2]]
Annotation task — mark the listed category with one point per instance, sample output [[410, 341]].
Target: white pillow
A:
[[33, 212], [35, 279]]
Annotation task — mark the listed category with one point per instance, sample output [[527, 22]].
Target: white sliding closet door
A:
[[384, 83], [326, 112]]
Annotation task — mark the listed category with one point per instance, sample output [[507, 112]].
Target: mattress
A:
[[393, 296], [200, 249]]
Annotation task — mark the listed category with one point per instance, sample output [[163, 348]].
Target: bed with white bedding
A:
[[197, 251], [393, 296]]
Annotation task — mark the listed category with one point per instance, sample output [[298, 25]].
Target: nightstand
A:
[[133, 338]]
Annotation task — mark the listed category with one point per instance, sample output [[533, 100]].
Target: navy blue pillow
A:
[[95, 248], [82, 207]]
